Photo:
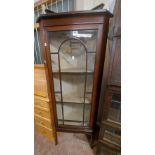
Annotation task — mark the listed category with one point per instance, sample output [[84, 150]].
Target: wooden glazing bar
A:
[[61, 85], [85, 87], [76, 39]]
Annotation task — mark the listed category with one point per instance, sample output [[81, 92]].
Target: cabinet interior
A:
[[73, 60]]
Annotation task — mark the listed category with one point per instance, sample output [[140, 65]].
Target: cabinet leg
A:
[[56, 138], [91, 141]]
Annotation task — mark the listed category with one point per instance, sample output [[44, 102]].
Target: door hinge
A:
[[45, 44]]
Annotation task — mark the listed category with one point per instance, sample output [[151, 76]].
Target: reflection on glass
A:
[[91, 61], [114, 113], [59, 111], [112, 136], [55, 65], [87, 115], [60, 122], [58, 97], [73, 88], [73, 112], [89, 83], [56, 83], [72, 59], [88, 98]]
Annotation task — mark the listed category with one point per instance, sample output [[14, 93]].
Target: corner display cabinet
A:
[[74, 50]]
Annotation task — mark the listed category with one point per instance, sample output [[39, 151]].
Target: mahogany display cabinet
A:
[[74, 46], [110, 119]]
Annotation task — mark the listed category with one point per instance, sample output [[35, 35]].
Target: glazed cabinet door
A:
[[110, 129], [72, 52]]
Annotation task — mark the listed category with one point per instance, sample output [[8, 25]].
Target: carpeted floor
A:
[[68, 144]]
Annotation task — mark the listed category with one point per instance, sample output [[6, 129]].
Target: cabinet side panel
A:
[[100, 57], [43, 103]]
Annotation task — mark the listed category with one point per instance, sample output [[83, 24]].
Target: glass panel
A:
[[37, 47], [59, 111], [89, 83], [112, 136], [55, 65], [76, 58], [73, 112], [60, 122], [56, 83], [88, 98], [89, 88], [87, 115], [114, 112], [58, 97], [73, 88], [91, 41], [72, 57], [54, 46], [91, 61]]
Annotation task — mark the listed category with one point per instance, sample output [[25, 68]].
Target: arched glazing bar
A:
[[85, 49]]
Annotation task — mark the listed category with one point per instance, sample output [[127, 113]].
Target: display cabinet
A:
[[110, 122], [74, 49]]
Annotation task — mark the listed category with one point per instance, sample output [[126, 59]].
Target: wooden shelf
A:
[[76, 100], [112, 124], [107, 143], [90, 52], [73, 122], [73, 112], [73, 71]]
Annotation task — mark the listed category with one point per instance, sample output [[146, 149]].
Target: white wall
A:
[[89, 4]]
